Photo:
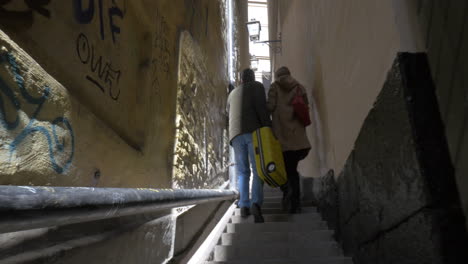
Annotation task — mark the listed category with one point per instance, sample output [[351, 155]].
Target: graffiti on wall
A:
[[25, 16], [85, 14], [161, 52], [102, 74], [55, 145]]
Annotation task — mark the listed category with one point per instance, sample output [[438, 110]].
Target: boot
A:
[[245, 212], [257, 213], [284, 200]]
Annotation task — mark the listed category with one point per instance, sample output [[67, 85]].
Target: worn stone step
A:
[[293, 218], [272, 194], [277, 199], [305, 238], [316, 260], [269, 191], [276, 251], [279, 211], [268, 188], [271, 205], [275, 227], [273, 199]]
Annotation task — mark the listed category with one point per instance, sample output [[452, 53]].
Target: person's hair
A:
[[248, 75], [282, 72]]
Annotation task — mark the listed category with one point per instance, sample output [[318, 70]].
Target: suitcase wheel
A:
[[271, 167]]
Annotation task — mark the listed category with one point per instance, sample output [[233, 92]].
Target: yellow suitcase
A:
[[269, 157]]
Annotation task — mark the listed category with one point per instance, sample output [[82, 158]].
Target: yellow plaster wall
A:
[[112, 69]]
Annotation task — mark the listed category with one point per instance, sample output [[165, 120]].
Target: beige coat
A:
[[247, 109], [286, 126]]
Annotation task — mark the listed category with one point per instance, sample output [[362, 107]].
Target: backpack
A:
[[301, 110]]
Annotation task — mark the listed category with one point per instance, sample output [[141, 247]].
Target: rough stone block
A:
[[327, 198], [307, 186], [396, 199], [201, 145], [404, 241], [382, 182]]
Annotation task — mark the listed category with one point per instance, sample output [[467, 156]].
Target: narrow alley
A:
[[234, 131]]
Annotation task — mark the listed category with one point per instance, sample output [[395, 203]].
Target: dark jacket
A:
[[247, 109]]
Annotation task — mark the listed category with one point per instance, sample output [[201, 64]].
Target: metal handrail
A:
[[30, 207]]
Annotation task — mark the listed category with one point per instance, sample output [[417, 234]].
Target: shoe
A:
[[285, 204], [299, 209], [285, 199], [294, 208], [257, 213], [245, 212]]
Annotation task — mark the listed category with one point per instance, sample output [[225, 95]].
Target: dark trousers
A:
[[292, 190]]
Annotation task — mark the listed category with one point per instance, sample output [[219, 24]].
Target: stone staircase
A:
[[282, 239]]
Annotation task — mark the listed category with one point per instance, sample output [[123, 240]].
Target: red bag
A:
[[301, 110]]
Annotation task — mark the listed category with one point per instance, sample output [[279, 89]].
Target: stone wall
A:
[[112, 68], [89, 94], [396, 199], [200, 153]]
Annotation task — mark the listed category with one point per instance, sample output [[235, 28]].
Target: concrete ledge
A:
[[194, 226]]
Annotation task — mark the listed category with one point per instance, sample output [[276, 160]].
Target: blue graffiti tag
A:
[[30, 128], [86, 15]]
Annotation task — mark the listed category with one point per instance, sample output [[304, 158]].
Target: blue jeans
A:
[[232, 170], [243, 152]]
